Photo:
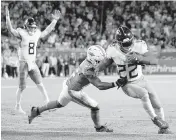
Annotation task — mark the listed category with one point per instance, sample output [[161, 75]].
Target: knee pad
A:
[[95, 108], [145, 98]]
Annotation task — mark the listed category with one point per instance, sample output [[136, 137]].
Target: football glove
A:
[[121, 82], [56, 15]]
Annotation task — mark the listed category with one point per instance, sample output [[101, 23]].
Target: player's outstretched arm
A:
[[56, 16], [9, 25], [105, 85], [104, 64]]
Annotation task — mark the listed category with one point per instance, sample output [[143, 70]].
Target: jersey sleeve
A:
[[110, 51], [18, 32], [144, 47], [38, 33], [140, 47]]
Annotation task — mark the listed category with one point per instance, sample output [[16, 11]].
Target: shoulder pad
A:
[[113, 44], [38, 30], [141, 46], [19, 29], [140, 41]]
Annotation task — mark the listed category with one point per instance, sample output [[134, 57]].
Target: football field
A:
[[122, 113]]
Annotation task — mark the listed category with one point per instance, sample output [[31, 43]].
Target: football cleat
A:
[[19, 109], [160, 123], [164, 131], [34, 113], [103, 129]]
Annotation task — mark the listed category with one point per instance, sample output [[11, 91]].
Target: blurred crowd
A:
[[84, 23], [87, 22], [50, 65]]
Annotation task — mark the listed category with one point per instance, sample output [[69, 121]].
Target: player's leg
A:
[[37, 78], [84, 100], [23, 72], [43, 69], [47, 69], [63, 100], [157, 107], [136, 90], [155, 101]]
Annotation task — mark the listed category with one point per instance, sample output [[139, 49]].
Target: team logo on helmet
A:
[[95, 54]]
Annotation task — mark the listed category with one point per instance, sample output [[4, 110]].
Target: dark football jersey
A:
[[78, 79]]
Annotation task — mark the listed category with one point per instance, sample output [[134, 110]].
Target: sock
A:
[[43, 91], [50, 105], [96, 118], [148, 106], [160, 113], [18, 96]]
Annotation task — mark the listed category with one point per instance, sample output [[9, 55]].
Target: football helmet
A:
[[30, 25], [124, 37], [95, 54]]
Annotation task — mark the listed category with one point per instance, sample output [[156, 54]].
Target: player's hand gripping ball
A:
[[56, 15], [133, 57]]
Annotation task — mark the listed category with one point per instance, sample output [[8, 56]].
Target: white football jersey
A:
[[131, 71], [28, 44]]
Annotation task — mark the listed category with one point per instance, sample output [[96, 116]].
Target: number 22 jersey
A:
[[28, 44], [131, 71]]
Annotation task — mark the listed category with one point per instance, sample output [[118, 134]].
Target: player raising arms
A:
[[73, 86], [129, 55], [29, 36]]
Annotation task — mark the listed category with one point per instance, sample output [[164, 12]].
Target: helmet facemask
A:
[[126, 46], [31, 26], [125, 38]]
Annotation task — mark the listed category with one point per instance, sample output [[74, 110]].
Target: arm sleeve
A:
[[144, 47], [109, 52]]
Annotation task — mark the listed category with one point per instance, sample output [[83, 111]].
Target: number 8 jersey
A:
[[131, 71], [28, 44]]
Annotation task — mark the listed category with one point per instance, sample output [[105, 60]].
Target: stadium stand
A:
[[89, 22]]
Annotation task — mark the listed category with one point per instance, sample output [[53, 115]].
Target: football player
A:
[[29, 36], [73, 88], [129, 55]]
